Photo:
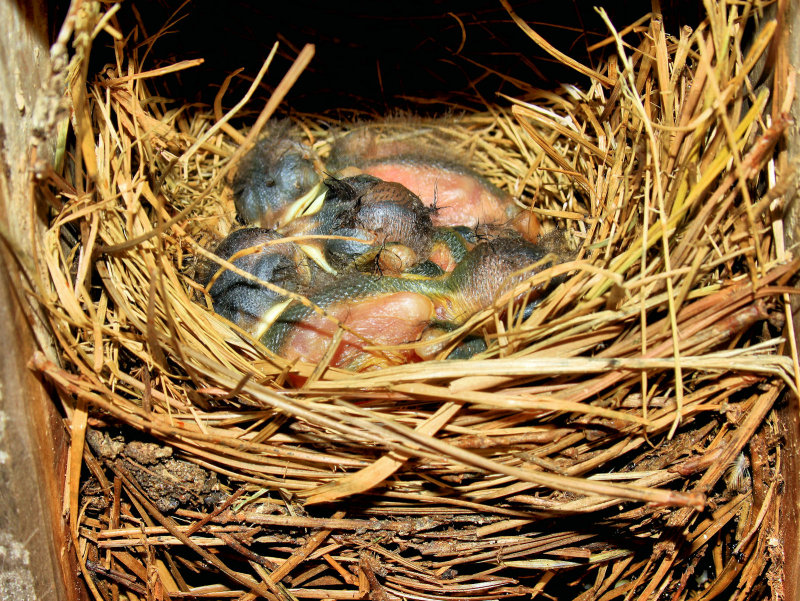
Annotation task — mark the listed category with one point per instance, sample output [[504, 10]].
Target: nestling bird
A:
[[247, 301], [401, 247], [389, 311], [279, 178], [276, 173], [437, 175]]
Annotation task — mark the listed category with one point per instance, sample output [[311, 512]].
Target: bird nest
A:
[[618, 441]]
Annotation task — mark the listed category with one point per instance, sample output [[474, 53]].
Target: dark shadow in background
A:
[[378, 57]]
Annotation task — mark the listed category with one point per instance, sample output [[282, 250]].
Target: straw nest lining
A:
[[598, 449]]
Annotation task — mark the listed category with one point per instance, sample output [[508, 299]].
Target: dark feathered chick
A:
[[396, 310], [394, 225], [432, 171], [244, 301], [278, 172]]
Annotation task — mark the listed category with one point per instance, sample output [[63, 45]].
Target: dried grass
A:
[[586, 454]]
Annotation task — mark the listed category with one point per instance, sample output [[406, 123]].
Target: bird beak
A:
[[269, 317], [308, 204], [314, 252]]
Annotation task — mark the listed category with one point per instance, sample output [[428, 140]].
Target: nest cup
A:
[[621, 440]]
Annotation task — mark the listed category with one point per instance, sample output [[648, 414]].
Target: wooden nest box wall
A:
[[445, 61]]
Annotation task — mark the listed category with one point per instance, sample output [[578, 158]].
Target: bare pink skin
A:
[[441, 256], [460, 199], [388, 319]]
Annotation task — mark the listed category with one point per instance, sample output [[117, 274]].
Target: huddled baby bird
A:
[[392, 242]]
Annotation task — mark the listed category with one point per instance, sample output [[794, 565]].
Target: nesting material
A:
[[618, 442]]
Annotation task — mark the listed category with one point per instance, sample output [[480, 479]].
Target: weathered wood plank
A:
[[788, 50], [33, 556]]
